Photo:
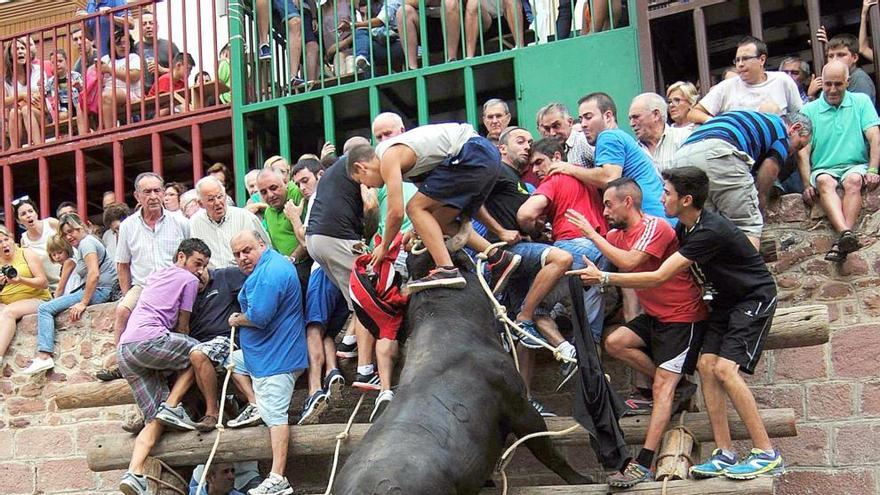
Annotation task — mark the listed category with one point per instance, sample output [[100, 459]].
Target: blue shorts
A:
[[273, 392], [288, 9], [325, 304], [465, 180]]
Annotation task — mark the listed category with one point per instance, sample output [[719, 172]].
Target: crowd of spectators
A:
[[676, 213]]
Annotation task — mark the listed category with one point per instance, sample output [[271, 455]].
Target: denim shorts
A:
[[273, 392], [533, 255], [288, 9]]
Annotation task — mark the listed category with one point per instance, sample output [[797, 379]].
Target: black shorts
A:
[[673, 347], [737, 333], [465, 180]]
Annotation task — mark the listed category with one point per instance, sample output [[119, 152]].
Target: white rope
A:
[[230, 367], [341, 437], [501, 311]]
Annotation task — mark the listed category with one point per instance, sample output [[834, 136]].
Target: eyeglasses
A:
[[675, 101], [794, 72], [738, 60], [18, 201]]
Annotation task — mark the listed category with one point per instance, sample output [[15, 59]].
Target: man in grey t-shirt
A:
[[157, 53]]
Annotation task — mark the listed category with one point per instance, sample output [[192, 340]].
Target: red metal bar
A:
[[80, 172], [43, 175], [156, 145], [200, 47], [118, 171], [7, 198], [198, 166], [185, 50], [128, 37]]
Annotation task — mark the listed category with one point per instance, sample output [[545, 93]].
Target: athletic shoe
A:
[[543, 411], [637, 404], [567, 367], [714, 466], [38, 365], [272, 485], [207, 423], [757, 463], [265, 51], [108, 374], [250, 415], [385, 398], [533, 339], [333, 383], [175, 417], [312, 409], [347, 351], [362, 63], [133, 484], [499, 272], [367, 382], [634, 474], [448, 278]]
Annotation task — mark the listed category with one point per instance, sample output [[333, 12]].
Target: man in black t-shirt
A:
[[542, 265], [209, 324], [742, 311]]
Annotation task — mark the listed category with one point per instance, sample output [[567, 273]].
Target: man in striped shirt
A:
[[740, 150], [665, 341]]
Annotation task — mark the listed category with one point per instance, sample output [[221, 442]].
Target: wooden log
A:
[[759, 486], [94, 394], [799, 326], [107, 452]]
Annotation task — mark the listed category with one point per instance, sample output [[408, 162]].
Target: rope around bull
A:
[[501, 315]]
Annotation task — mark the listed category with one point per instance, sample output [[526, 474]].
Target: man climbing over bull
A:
[[455, 170]]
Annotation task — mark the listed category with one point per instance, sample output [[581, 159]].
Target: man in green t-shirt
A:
[[277, 192]]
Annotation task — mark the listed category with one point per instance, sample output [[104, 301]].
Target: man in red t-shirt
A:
[[665, 341], [175, 79], [555, 195]]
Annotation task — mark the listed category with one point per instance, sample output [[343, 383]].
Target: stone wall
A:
[[834, 388]]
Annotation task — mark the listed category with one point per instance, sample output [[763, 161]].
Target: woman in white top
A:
[[122, 78], [37, 234], [23, 83]]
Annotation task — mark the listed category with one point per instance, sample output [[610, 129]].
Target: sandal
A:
[[848, 242], [835, 255]]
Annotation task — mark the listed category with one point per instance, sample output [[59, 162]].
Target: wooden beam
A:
[[646, 49], [702, 50], [874, 19], [755, 19], [94, 394], [678, 8], [759, 486], [108, 452], [814, 19]]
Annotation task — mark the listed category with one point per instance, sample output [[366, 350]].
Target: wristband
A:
[[603, 279], [873, 170]]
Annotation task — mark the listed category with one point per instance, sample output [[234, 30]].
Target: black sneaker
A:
[[367, 382], [312, 409], [333, 383], [347, 351], [108, 374], [447, 278], [500, 271], [543, 411]]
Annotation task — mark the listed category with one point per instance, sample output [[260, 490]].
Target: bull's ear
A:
[[459, 240]]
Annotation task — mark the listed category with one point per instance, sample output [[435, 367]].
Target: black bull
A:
[[458, 398]]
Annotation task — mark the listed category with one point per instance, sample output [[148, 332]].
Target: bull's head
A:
[[419, 261]]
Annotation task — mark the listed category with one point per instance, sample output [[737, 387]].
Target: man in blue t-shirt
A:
[[273, 343], [617, 154], [103, 22]]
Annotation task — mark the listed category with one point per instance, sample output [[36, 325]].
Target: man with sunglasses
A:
[[754, 89]]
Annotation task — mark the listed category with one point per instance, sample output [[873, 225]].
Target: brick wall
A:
[[834, 388]]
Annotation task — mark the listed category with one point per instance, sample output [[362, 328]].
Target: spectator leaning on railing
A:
[[23, 92]]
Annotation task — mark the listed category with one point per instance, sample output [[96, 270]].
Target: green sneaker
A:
[[716, 465], [757, 463]]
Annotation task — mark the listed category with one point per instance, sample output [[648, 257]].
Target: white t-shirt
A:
[[734, 94], [134, 63], [37, 80], [431, 143]]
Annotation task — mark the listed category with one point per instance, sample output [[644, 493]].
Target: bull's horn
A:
[[459, 240]]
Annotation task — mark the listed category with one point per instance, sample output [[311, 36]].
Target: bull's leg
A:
[[530, 421]]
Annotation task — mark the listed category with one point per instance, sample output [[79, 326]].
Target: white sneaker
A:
[[272, 485], [385, 397], [39, 365], [362, 63]]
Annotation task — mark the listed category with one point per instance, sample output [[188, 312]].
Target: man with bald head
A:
[[273, 345], [843, 153], [284, 200], [217, 222], [647, 118]]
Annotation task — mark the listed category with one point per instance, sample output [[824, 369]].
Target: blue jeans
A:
[[46, 315], [593, 302]]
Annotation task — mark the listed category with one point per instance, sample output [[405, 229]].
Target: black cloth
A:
[[214, 304], [725, 258], [338, 209], [504, 201], [157, 51], [597, 407]]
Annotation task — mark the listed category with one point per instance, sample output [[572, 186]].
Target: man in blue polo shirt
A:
[[844, 152], [617, 154], [273, 344], [742, 152]]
